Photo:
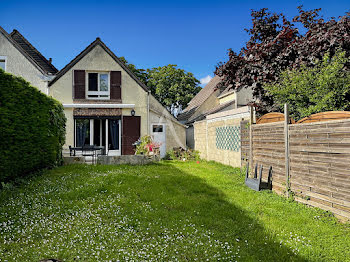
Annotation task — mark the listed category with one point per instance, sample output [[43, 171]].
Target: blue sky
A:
[[195, 35]]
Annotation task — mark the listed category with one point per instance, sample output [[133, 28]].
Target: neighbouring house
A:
[[210, 100], [104, 102], [19, 57]]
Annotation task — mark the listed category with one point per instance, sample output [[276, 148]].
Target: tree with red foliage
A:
[[276, 44]]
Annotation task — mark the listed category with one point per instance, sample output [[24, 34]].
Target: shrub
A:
[[145, 146], [32, 128], [182, 154], [309, 90]]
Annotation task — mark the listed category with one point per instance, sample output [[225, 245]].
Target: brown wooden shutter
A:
[[116, 82], [79, 84], [131, 133]]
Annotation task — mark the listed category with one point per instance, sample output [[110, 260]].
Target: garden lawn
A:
[[178, 211]]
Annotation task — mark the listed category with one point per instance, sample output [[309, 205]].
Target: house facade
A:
[[104, 102], [19, 57], [211, 100]]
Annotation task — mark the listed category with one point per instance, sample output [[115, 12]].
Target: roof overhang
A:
[[227, 94], [98, 105], [20, 49], [99, 42], [240, 112]]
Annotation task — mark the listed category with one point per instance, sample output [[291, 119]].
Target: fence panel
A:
[[319, 157], [268, 150], [320, 164], [245, 149]]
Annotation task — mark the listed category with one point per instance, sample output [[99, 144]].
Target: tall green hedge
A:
[[32, 128]]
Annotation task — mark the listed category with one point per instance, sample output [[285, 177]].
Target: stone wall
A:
[[200, 138], [113, 160], [68, 160], [218, 136], [127, 159]]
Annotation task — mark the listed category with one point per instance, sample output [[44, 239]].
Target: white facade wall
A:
[[132, 93], [19, 65], [175, 131]]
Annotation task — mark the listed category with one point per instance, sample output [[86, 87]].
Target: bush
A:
[[182, 154], [310, 90], [146, 146], [32, 128]]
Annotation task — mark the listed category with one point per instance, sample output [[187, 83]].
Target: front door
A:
[[131, 133], [158, 134]]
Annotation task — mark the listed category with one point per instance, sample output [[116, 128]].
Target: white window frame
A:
[[98, 93], [4, 58], [114, 152], [91, 138]]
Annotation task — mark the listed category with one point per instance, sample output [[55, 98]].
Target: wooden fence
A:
[[317, 159], [245, 141], [268, 150]]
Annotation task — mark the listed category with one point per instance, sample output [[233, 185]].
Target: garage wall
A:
[[218, 136]]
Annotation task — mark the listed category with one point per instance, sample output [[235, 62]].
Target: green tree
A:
[[173, 87], [140, 73], [324, 87]]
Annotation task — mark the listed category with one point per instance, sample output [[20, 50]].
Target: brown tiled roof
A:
[[32, 52], [204, 93], [83, 53], [199, 99]]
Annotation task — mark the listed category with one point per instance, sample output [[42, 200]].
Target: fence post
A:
[[286, 146], [251, 119]]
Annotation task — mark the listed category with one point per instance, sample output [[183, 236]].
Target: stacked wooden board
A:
[[245, 141], [320, 164], [268, 150]]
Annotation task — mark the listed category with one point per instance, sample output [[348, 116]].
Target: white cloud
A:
[[205, 80]]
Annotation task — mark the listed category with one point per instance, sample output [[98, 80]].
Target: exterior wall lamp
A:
[[132, 112]]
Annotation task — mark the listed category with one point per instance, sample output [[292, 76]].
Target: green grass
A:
[[178, 211]]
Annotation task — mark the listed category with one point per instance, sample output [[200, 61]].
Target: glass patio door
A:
[[114, 136], [99, 126], [82, 132], [99, 132]]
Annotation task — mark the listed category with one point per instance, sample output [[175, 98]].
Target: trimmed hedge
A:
[[32, 128]]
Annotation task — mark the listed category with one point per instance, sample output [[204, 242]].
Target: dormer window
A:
[[98, 85]]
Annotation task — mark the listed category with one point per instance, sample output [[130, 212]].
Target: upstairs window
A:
[[3, 62], [98, 86]]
